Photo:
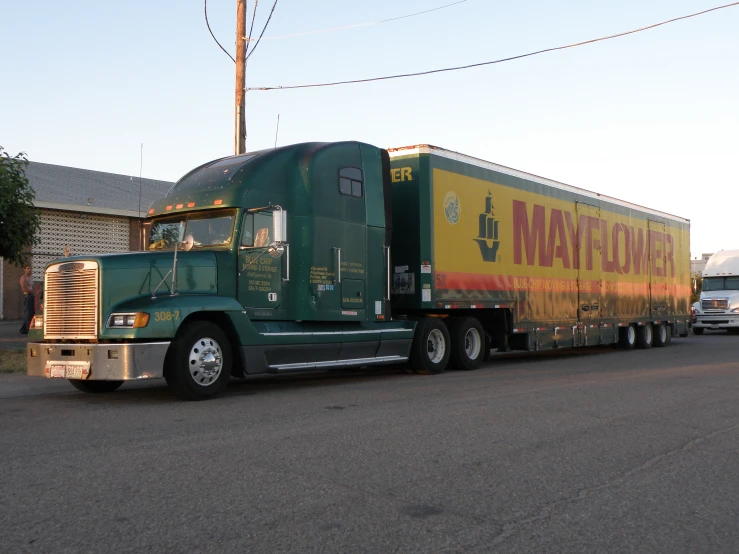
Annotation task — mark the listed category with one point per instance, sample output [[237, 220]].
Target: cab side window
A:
[[350, 182], [257, 230]]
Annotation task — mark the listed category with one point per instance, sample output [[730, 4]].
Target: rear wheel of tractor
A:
[[697, 331], [661, 335], [468, 343], [626, 337], [199, 362], [644, 336], [430, 349], [95, 386]]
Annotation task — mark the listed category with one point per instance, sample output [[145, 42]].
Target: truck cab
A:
[[718, 307], [266, 262]]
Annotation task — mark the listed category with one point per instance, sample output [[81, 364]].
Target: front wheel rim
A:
[[472, 343], [436, 346], [205, 361]]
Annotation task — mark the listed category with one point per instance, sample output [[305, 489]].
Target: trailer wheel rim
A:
[[472, 343], [205, 361], [436, 346], [648, 333], [631, 334], [662, 333]]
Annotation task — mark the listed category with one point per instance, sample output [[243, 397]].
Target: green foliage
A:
[[19, 219]]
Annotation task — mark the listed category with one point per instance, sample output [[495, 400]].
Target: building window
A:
[[350, 181]]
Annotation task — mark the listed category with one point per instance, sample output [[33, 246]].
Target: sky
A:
[[651, 118]]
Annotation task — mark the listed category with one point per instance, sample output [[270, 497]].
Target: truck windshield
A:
[[720, 283], [212, 228]]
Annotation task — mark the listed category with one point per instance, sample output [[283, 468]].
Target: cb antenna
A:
[[277, 130]]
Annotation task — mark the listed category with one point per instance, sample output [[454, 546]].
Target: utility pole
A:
[[240, 120]]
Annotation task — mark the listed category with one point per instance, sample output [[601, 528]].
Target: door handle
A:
[[389, 274], [338, 264]]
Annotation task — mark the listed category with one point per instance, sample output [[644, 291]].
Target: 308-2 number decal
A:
[[167, 316]]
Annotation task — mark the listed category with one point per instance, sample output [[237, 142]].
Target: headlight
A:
[[37, 322], [129, 321]]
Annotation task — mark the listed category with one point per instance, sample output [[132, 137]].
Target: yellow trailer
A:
[[538, 263]]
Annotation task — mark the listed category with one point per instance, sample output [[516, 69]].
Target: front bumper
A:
[[716, 321], [97, 362]]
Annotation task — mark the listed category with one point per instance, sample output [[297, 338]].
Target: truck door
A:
[[589, 272], [658, 269], [260, 275]]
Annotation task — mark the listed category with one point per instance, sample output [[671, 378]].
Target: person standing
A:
[[29, 308]]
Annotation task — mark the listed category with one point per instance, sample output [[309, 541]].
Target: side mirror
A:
[[279, 225], [276, 250]]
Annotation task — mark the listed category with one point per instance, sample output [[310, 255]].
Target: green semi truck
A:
[[333, 255]]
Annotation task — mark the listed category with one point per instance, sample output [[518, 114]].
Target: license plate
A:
[[68, 370], [715, 327]]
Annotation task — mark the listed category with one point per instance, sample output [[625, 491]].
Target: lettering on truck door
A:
[[660, 270], [260, 275], [589, 252]]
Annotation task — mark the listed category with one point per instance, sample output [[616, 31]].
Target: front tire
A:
[[95, 386], [644, 336], [430, 349], [199, 362], [468, 343]]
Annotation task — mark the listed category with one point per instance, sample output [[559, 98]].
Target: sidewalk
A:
[[10, 338]]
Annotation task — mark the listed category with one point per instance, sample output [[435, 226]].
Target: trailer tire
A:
[[198, 365], [644, 336], [95, 386], [430, 349], [468, 343], [627, 337], [697, 331], [662, 335]]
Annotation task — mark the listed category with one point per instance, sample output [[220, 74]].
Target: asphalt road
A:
[[595, 450]]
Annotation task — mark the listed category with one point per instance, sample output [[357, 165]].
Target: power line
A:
[[251, 28], [494, 61], [366, 24], [262, 33], [249, 39], [205, 8]]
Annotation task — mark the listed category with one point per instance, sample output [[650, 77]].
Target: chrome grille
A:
[[715, 304], [70, 301]]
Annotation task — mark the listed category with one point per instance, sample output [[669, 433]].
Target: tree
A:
[[19, 219]]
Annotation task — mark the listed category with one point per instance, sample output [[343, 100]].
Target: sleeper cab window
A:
[[350, 181]]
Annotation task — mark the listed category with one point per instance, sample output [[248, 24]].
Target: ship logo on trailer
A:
[[487, 238], [452, 208]]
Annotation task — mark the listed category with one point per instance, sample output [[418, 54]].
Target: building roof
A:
[[84, 190]]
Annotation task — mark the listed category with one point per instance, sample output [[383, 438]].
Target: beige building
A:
[[699, 264], [87, 212]]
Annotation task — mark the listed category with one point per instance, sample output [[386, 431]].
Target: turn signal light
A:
[[142, 320]]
